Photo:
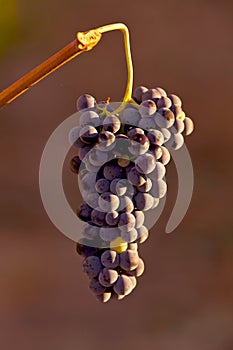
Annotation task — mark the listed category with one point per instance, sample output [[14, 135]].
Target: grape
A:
[[106, 141], [164, 118], [85, 101], [113, 185], [90, 118], [84, 212], [138, 92], [83, 151], [112, 218], [126, 222], [133, 246], [175, 142], [131, 116], [146, 186], [102, 185], [74, 136], [177, 127], [92, 199], [85, 250], [175, 100], [178, 112], [147, 123], [75, 164], [123, 186], [107, 277], [126, 204], [155, 137], [147, 108], [164, 102], [143, 234], [89, 166], [123, 285], [156, 151], [159, 172], [166, 134], [143, 201], [104, 297], [87, 182], [139, 144], [121, 147], [139, 269], [134, 132], [161, 91], [133, 280], [110, 259], [188, 126], [145, 163], [111, 171], [139, 217], [129, 260], [111, 123], [97, 157], [159, 189], [108, 201], [151, 94], [90, 231], [98, 217], [96, 287], [109, 233], [92, 266], [129, 236], [135, 178], [165, 156], [88, 134], [123, 162], [156, 203]]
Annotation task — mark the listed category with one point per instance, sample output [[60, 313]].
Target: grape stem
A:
[[85, 41]]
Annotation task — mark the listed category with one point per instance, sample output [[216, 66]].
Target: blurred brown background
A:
[[184, 300]]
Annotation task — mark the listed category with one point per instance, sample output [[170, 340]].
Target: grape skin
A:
[[159, 172], [102, 185], [139, 269], [165, 159], [85, 250], [126, 204], [131, 116], [155, 137], [147, 108], [88, 134], [130, 236], [143, 234], [164, 102], [135, 178], [161, 91], [92, 266], [138, 92], [146, 186], [112, 218], [98, 217], [164, 118], [106, 141], [129, 260], [108, 201], [75, 164], [126, 222], [147, 123], [84, 212], [175, 142], [159, 189], [110, 259], [123, 285], [111, 171], [85, 101], [108, 277], [188, 126], [145, 163], [89, 118], [151, 94], [143, 201], [104, 297], [111, 123], [175, 100], [109, 233], [139, 218], [96, 287]]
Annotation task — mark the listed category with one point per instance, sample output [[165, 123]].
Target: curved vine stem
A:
[[85, 41]]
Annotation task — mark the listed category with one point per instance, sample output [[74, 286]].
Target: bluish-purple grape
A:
[[129, 236], [151, 94], [159, 189], [84, 212], [131, 116], [126, 222], [188, 126], [164, 102], [164, 118], [98, 217], [92, 266], [139, 218], [108, 277], [123, 286], [143, 201], [145, 163], [85, 101], [96, 287], [89, 118], [106, 141], [175, 142], [147, 108], [102, 185], [175, 100], [112, 218], [135, 178], [88, 134], [129, 260], [108, 201], [155, 137], [138, 92], [111, 123], [143, 234], [126, 204], [110, 259]]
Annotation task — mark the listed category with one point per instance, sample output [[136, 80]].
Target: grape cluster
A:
[[121, 161]]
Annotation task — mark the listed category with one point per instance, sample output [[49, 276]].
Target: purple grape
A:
[[92, 266], [164, 118], [112, 171], [85, 101], [139, 144], [109, 233], [98, 217], [156, 151], [108, 277], [146, 186], [84, 151], [92, 199], [84, 212], [108, 201], [90, 118], [177, 127], [131, 116], [129, 260], [158, 173], [139, 217], [133, 281], [159, 189], [143, 201], [97, 158], [74, 138], [161, 91], [175, 142], [138, 92], [110, 259], [96, 287], [126, 204], [75, 164], [175, 100], [145, 163], [88, 134], [143, 234], [111, 123], [85, 250], [188, 126], [133, 246], [126, 222], [106, 141], [134, 132], [139, 269], [105, 297], [90, 231], [123, 285], [102, 185], [165, 159], [129, 236], [164, 102], [155, 137], [147, 108], [112, 218], [151, 94], [147, 123], [178, 112], [135, 178]]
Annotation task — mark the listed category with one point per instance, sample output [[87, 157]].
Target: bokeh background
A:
[[184, 300]]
